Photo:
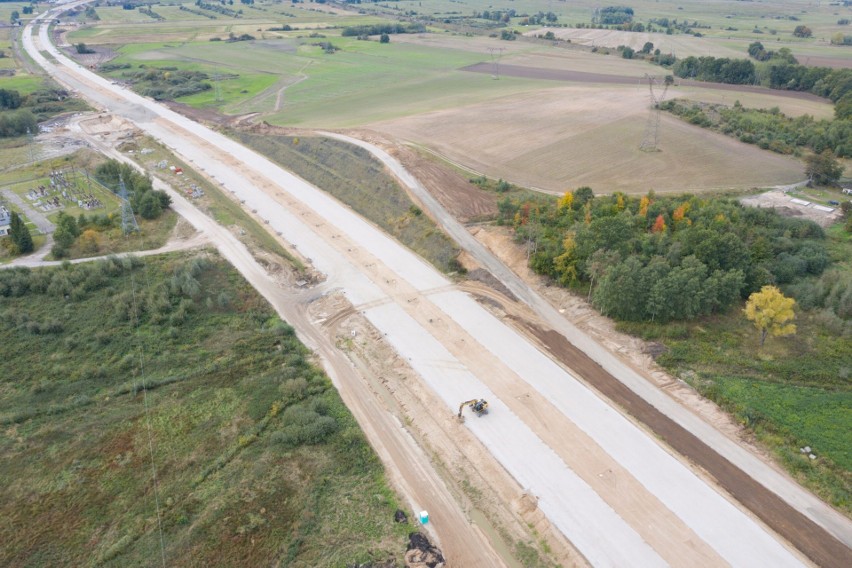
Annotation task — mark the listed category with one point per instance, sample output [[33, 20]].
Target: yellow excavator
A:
[[479, 406]]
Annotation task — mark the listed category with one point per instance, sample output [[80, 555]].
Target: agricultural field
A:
[[525, 127], [190, 425], [563, 137]]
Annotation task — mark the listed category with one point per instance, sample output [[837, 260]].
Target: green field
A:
[[363, 82], [257, 460], [793, 393]]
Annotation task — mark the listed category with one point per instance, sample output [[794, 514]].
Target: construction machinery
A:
[[479, 406]]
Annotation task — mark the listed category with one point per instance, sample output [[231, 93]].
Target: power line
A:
[[496, 53], [651, 136], [140, 350]]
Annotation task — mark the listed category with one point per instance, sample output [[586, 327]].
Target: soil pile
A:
[[421, 553]]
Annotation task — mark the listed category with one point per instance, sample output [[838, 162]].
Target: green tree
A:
[[843, 107], [17, 122], [384, 38], [622, 292], [823, 169], [20, 234], [803, 31], [66, 233], [771, 312], [149, 206], [581, 197]]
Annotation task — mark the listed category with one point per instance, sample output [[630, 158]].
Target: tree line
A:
[[660, 258], [379, 29], [768, 128], [777, 73]]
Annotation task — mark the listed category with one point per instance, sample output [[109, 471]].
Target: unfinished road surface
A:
[[811, 525], [620, 496]]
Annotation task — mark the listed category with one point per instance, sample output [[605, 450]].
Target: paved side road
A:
[[37, 217]]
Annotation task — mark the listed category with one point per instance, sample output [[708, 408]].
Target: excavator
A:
[[479, 406]]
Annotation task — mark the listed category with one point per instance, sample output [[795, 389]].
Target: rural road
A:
[[39, 219], [606, 483]]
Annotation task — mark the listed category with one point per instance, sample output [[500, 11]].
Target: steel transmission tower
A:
[[652, 127], [128, 220], [496, 53]]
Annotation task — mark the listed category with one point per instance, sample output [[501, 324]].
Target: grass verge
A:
[[215, 202], [795, 392], [353, 176]]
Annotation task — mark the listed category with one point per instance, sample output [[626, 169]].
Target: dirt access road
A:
[[597, 476]]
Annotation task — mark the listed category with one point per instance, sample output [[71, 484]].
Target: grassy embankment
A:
[[257, 460], [353, 176], [794, 392]]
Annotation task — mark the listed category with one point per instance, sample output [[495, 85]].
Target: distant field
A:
[[528, 130], [566, 137], [22, 83]]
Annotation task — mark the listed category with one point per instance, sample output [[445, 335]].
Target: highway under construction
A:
[[616, 468]]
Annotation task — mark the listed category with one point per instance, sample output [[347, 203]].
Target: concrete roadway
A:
[[472, 354], [778, 483]]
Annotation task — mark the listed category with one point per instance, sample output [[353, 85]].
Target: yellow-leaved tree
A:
[[771, 312]]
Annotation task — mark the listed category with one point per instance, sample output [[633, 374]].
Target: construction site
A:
[[504, 410]]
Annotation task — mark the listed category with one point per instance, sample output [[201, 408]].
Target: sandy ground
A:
[[790, 206]]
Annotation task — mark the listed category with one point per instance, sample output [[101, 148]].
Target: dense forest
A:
[[659, 258]]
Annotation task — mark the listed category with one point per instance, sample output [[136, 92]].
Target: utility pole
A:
[[31, 144]]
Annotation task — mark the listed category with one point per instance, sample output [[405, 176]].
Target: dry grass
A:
[[566, 137]]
